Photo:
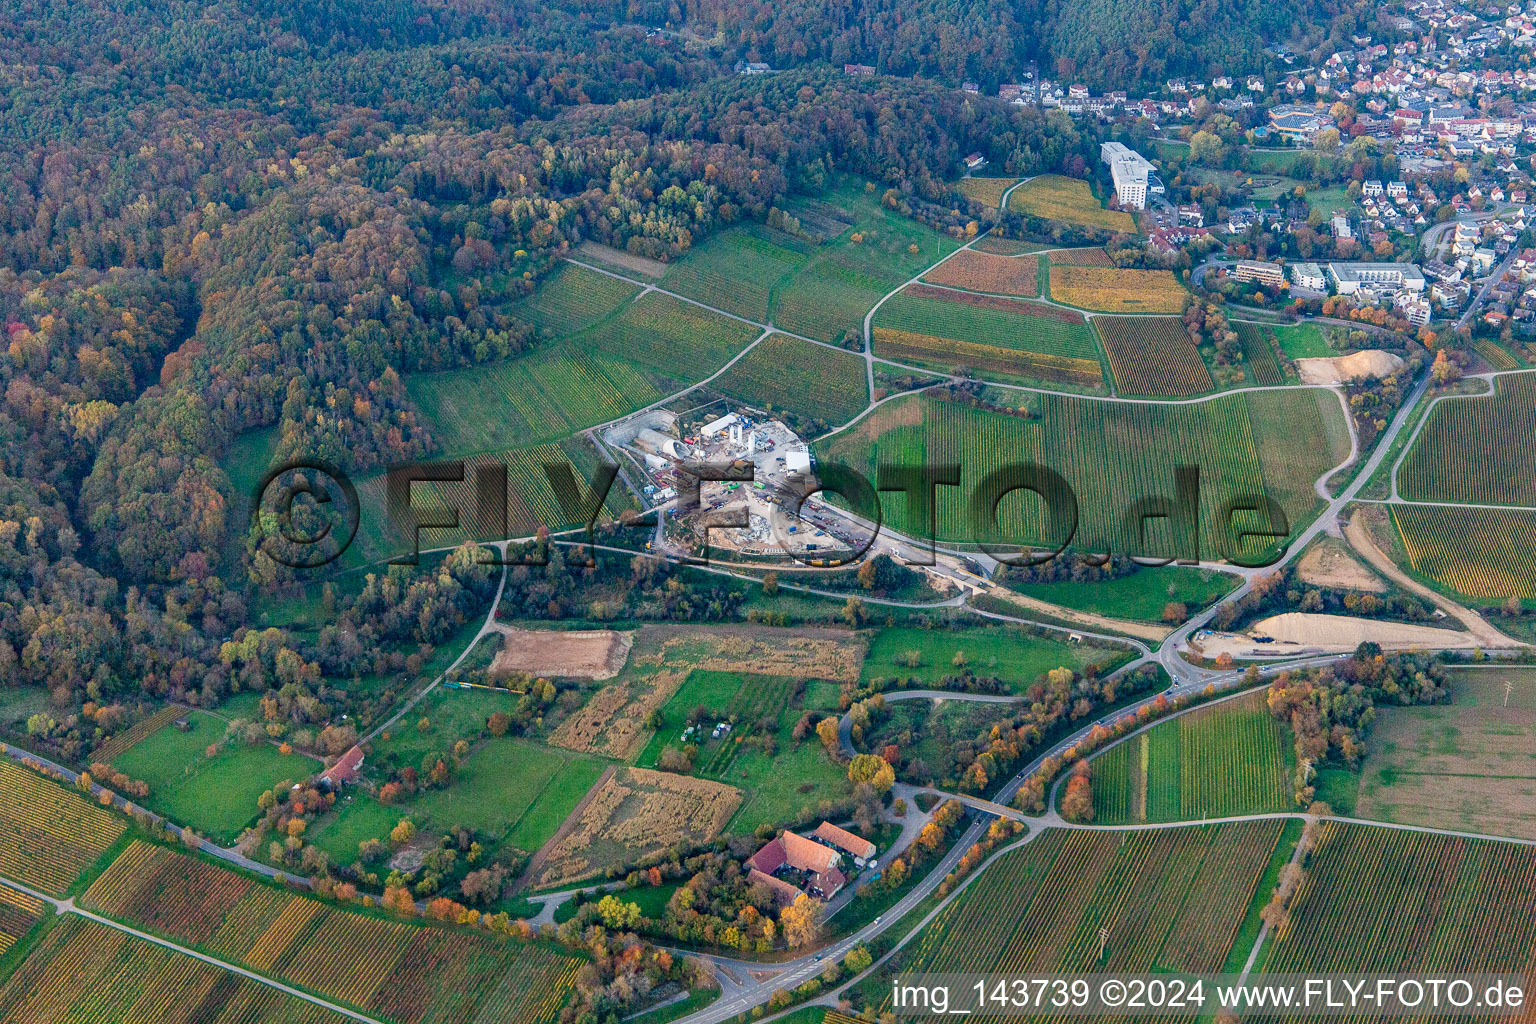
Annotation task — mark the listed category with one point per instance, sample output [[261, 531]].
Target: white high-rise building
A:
[[1132, 172]]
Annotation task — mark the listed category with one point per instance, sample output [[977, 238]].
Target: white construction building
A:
[[1381, 278], [1309, 276], [1133, 173]]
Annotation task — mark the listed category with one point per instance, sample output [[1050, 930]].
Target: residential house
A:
[[344, 771]]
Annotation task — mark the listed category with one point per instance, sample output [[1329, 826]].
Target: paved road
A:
[[62, 907]]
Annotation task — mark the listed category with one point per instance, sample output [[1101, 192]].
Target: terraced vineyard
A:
[[1476, 449], [1070, 200], [83, 971], [1486, 553], [784, 373], [1114, 290], [400, 971], [1379, 900], [737, 269], [1004, 246], [1153, 355], [1259, 347], [49, 834], [1228, 759], [550, 394], [1093, 256], [1170, 899], [845, 277], [572, 298], [1111, 454], [986, 191], [989, 360], [669, 337], [980, 272], [987, 320]]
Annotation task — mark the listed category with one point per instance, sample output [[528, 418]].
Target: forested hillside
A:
[[1107, 44], [217, 217]]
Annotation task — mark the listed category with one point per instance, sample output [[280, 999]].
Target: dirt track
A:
[[1140, 630]]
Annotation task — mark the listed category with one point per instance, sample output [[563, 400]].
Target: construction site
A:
[[750, 515]]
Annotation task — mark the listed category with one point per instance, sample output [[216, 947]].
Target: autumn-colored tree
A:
[[403, 832], [872, 771], [826, 730], [616, 913], [498, 723], [398, 898], [801, 921], [1077, 801]]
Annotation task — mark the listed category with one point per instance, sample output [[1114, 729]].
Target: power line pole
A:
[[1509, 687], [1103, 938]]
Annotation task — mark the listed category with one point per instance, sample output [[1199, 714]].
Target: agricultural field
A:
[[531, 501], [1466, 765], [1005, 246], [784, 374], [19, 914], [572, 299], [1114, 290], [83, 971], [1090, 256], [215, 795], [1141, 596], [986, 191], [400, 971], [1259, 343], [1170, 900], [951, 328], [545, 395], [1476, 449], [737, 269], [980, 272], [1303, 341], [796, 777], [851, 272], [1070, 200], [49, 834], [355, 819], [1379, 900], [1016, 657], [636, 812], [1215, 762], [965, 357], [1153, 355], [249, 457], [668, 337], [1495, 355], [142, 729], [513, 789], [989, 320], [508, 789], [611, 723], [1485, 553], [1110, 454]]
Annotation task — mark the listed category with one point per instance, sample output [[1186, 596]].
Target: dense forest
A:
[[218, 217], [1107, 44]]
